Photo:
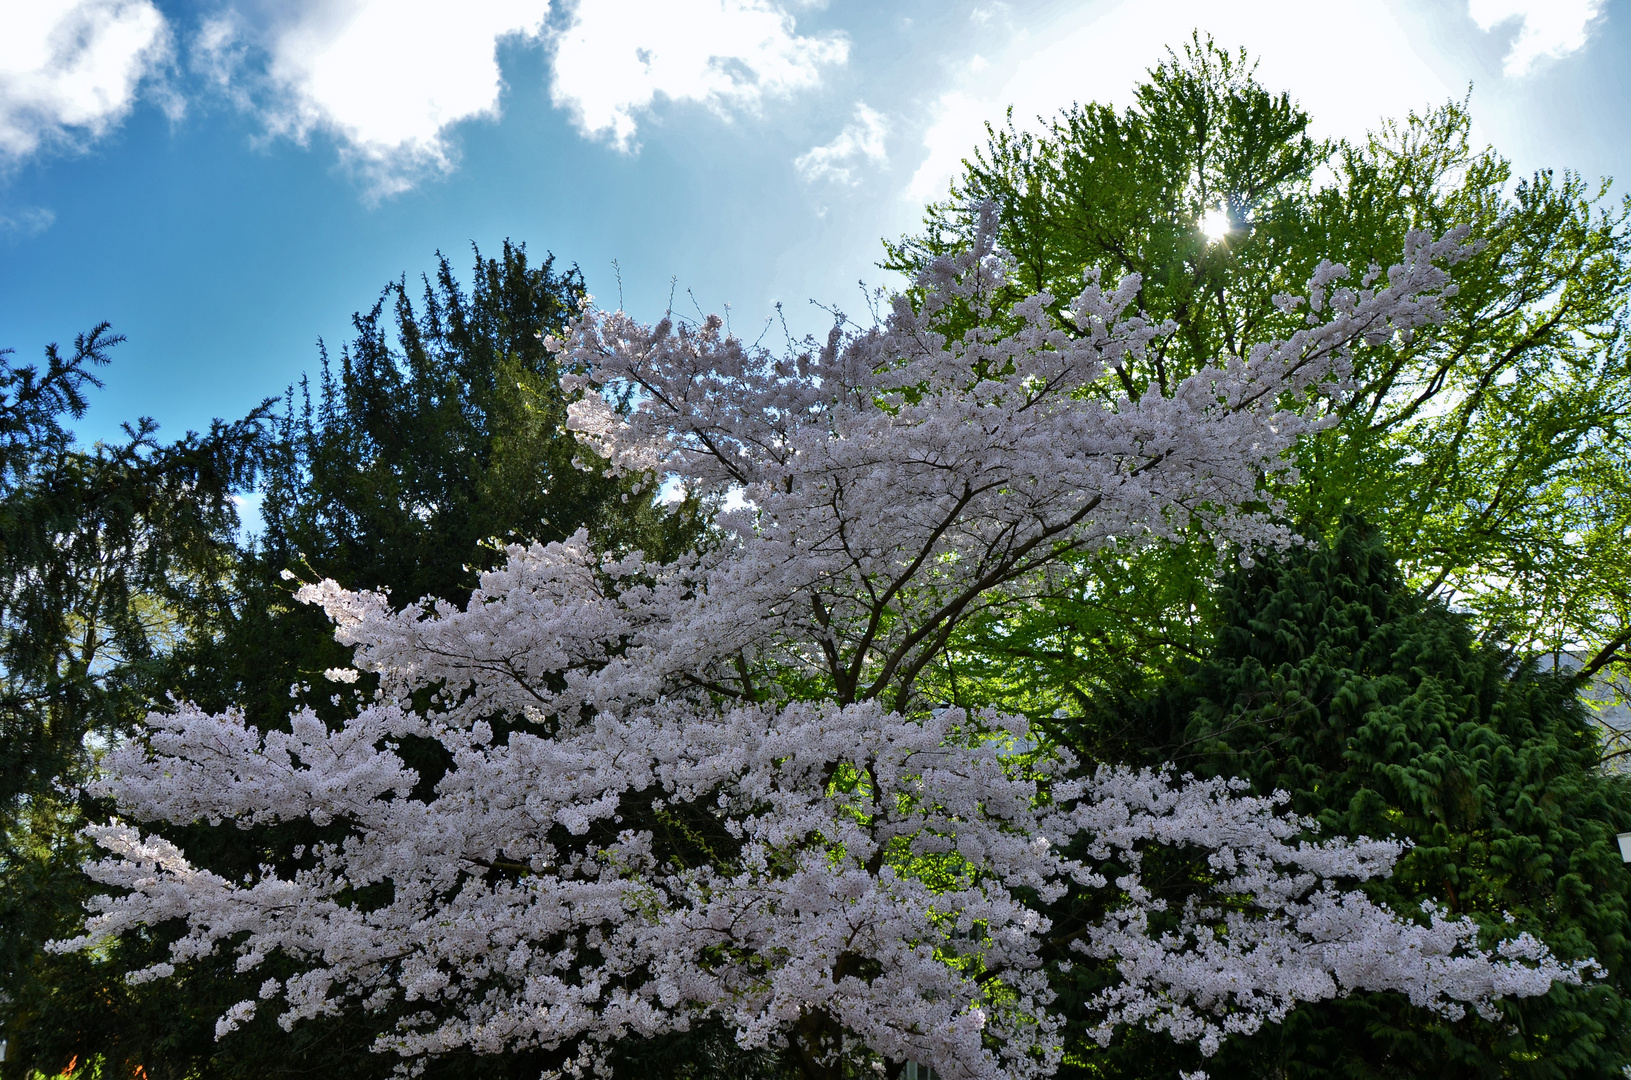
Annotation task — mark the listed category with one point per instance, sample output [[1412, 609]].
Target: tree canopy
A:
[[1380, 714], [1491, 455], [707, 790]]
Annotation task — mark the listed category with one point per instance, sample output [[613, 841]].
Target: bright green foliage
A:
[[1491, 454], [1381, 715], [1490, 459], [1125, 193]]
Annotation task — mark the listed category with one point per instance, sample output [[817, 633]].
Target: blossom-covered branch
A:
[[894, 478], [704, 791]]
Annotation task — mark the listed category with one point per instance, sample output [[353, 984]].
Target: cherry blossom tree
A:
[[709, 790]]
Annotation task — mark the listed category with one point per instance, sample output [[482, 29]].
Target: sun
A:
[[1216, 225]]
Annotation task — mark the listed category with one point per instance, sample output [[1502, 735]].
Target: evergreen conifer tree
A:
[[109, 555], [438, 430], [1381, 714]]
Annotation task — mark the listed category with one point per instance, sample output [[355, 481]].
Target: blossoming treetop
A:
[[708, 789]]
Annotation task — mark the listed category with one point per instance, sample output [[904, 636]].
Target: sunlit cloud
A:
[[70, 69], [618, 57], [387, 79], [1547, 29], [1101, 55], [860, 144]]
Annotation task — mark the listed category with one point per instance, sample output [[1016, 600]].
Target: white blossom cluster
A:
[[709, 788]]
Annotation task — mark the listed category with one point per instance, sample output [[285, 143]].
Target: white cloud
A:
[[957, 129], [618, 56], [1347, 72], [860, 143], [1549, 29], [27, 223], [69, 69], [387, 78], [390, 78]]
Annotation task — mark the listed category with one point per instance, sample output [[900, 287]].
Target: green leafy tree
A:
[[1379, 712], [1492, 457]]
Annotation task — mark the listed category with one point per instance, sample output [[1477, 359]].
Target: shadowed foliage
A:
[[1382, 715]]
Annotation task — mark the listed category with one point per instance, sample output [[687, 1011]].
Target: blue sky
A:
[[227, 180]]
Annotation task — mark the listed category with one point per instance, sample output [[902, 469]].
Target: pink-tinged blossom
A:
[[864, 873]]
